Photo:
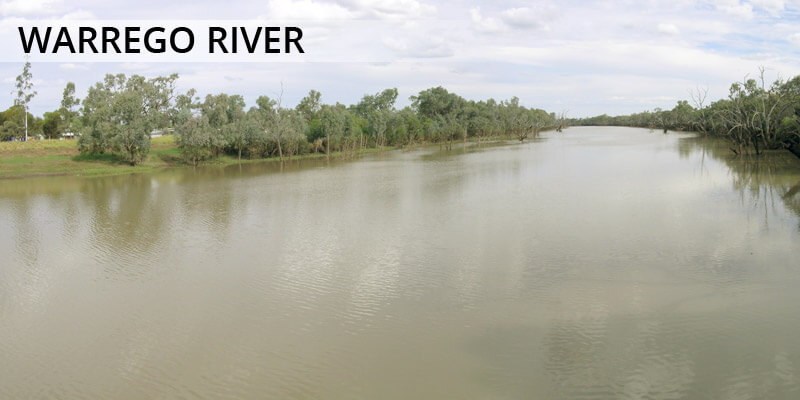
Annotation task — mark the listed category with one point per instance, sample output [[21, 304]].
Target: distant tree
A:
[[53, 125], [25, 93], [310, 105], [11, 123], [194, 140], [120, 113], [333, 120], [68, 104]]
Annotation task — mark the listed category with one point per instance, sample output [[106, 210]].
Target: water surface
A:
[[597, 263]]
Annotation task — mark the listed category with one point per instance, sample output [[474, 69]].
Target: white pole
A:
[[26, 122]]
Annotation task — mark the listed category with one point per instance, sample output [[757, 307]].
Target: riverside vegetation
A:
[[116, 120], [119, 115], [756, 116]]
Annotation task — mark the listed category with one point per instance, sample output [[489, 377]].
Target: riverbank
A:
[[42, 158], [61, 157]]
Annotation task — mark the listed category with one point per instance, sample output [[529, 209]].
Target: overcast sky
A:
[[588, 58]]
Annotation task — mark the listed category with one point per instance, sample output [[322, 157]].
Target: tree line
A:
[[120, 113], [756, 116]]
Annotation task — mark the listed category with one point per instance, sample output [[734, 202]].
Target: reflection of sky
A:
[[601, 260]]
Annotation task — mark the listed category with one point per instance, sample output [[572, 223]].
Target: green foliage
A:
[[11, 129], [756, 115], [53, 124], [310, 105], [194, 139], [68, 104], [120, 112], [25, 92]]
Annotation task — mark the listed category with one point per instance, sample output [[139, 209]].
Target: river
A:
[[597, 263]]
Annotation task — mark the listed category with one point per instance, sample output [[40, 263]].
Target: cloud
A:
[[597, 51], [735, 8], [306, 9], [79, 15], [389, 9], [668, 29], [485, 24], [73, 66], [772, 7], [525, 18], [419, 47], [348, 9], [29, 7]]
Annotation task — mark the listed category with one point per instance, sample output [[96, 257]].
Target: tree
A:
[[310, 105], [194, 140], [223, 111], [53, 125], [444, 109], [266, 116], [25, 92], [68, 104], [11, 123], [120, 113], [97, 124], [290, 127], [332, 121]]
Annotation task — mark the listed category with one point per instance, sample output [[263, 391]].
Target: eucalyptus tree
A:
[[515, 119], [187, 106], [310, 106], [377, 111], [69, 103], [267, 117], [120, 113], [132, 131], [97, 114], [444, 109], [414, 128], [223, 111], [194, 139], [701, 120], [332, 122], [140, 108], [292, 126], [25, 92]]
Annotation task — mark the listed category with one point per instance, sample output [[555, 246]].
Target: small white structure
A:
[[161, 132]]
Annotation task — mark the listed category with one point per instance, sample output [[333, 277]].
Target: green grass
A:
[[61, 157]]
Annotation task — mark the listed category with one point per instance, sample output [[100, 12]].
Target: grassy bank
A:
[[61, 157]]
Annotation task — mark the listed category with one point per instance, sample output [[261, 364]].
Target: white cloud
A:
[[668, 29], [79, 15], [525, 18], [29, 7], [391, 8], [772, 7], [640, 54], [73, 66], [419, 47], [735, 8], [306, 9], [348, 9], [485, 24]]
